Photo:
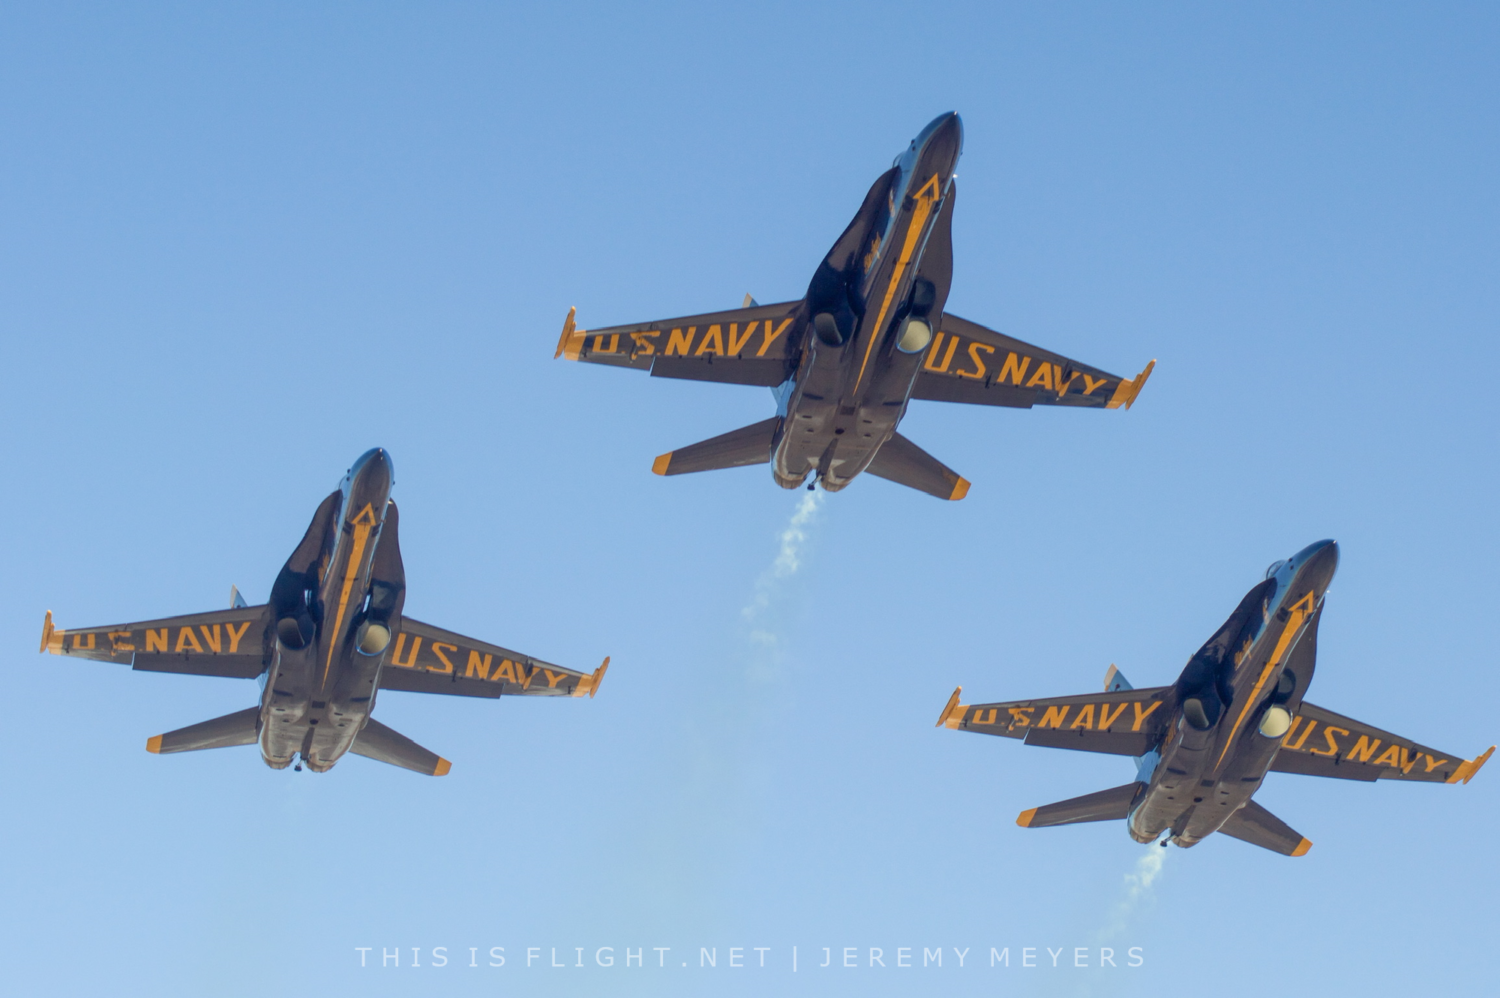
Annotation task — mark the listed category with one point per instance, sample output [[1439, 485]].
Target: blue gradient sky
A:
[[240, 244]]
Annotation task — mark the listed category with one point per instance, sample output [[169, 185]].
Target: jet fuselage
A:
[[869, 316], [335, 607], [1234, 701]]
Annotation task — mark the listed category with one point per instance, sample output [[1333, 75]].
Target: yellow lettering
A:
[[1141, 715], [1333, 745], [1090, 384], [614, 343], [506, 670], [1363, 749], [215, 640], [1020, 717], [156, 640], [116, 644], [524, 676], [1390, 758], [713, 342], [411, 662], [1085, 718], [1106, 718], [1014, 368], [78, 643], [771, 336], [235, 635], [477, 665], [1432, 763], [185, 637], [936, 348], [736, 341], [680, 344], [1408, 761], [1287, 741], [437, 649], [979, 367], [1057, 379], [984, 716], [553, 677], [1053, 717], [1042, 378], [644, 342]]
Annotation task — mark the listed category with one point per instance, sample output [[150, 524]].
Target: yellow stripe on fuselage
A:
[[363, 522], [926, 198], [1299, 614]]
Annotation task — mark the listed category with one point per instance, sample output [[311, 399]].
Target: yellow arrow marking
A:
[[1299, 613], [364, 522], [926, 198]]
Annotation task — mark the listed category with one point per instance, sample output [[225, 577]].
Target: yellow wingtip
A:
[[1109, 677], [1302, 848], [570, 342], [1128, 388], [590, 684], [660, 465], [1025, 818], [947, 717], [960, 489], [442, 767], [1468, 770], [46, 631], [153, 744]]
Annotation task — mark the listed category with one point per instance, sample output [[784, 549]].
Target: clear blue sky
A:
[[240, 244]]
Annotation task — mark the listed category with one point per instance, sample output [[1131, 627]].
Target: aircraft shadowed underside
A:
[[870, 335], [1203, 745], [332, 636]]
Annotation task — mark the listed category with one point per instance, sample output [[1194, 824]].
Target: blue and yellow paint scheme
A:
[[1204, 745], [846, 359], [331, 637]]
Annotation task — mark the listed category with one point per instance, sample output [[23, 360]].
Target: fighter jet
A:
[[331, 638], [1203, 745], [845, 360]]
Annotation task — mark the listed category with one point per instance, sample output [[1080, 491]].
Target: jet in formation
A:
[[845, 360], [331, 638], [1203, 745]]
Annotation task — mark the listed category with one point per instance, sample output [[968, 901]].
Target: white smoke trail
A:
[[788, 560], [1138, 893]]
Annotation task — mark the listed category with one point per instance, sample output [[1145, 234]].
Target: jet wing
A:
[[1322, 743], [227, 643], [745, 346], [427, 659], [1127, 722], [969, 363]]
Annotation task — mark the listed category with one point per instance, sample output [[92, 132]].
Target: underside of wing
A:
[[1128, 722], [744, 346], [967, 362], [427, 659], [1322, 743], [232, 644]]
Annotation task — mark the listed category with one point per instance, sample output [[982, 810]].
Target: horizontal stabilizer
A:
[[736, 449], [383, 744], [1259, 827], [239, 728], [1106, 805], [903, 462]]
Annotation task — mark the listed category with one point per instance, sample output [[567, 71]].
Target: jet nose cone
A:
[[1317, 563], [944, 135], [373, 470]]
